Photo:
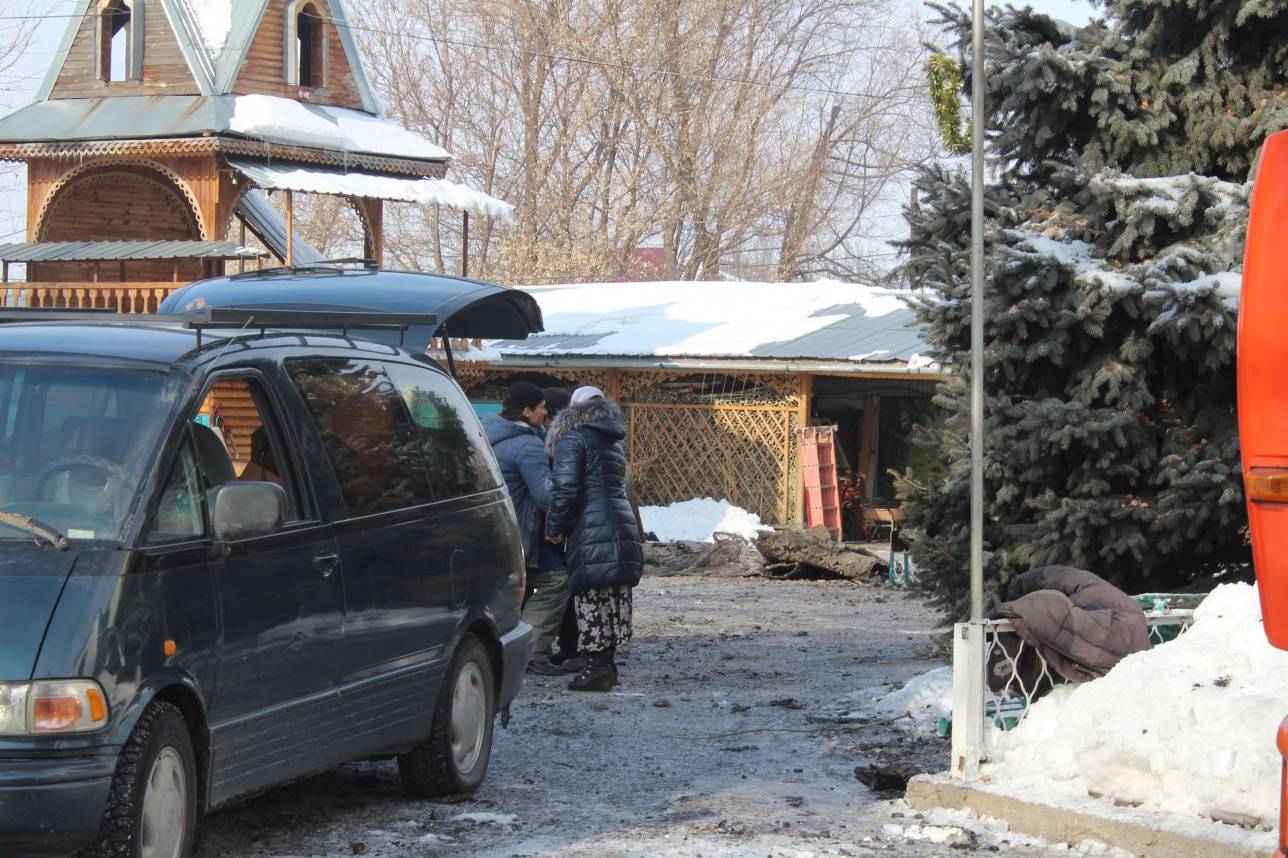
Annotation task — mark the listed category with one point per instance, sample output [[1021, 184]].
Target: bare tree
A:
[[745, 136], [17, 32]]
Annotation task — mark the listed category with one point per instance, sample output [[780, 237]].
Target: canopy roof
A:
[[356, 184], [260, 118], [848, 325], [119, 251]]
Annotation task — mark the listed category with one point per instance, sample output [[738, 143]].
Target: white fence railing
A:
[[990, 650]]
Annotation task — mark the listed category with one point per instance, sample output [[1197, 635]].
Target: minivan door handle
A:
[[326, 563]]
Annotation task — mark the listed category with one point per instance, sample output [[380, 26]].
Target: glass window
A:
[[367, 433], [179, 515], [450, 435], [238, 438], [76, 441]]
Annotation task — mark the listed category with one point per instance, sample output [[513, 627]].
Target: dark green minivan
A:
[[241, 542]]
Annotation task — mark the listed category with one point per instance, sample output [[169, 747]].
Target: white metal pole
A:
[[977, 319]]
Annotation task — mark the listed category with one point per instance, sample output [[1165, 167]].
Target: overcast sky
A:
[[18, 91]]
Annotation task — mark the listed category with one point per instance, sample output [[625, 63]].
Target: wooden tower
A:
[[159, 123]]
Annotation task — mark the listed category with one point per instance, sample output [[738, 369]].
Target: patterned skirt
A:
[[604, 618]]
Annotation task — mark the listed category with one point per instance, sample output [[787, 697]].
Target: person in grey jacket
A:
[[590, 512], [517, 436]]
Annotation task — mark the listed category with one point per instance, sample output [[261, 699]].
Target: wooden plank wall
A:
[[264, 69], [118, 202], [165, 72]]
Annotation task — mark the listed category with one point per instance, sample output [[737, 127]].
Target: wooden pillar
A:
[[465, 244], [241, 262], [614, 385], [802, 419], [372, 212], [868, 445], [290, 229]]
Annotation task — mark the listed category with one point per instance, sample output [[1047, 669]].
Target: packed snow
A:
[[699, 520], [215, 21], [684, 318], [284, 120], [1186, 728], [923, 700]]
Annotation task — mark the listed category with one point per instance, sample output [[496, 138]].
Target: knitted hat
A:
[[521, 395]]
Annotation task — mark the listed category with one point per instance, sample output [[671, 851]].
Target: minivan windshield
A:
[[75, 442]]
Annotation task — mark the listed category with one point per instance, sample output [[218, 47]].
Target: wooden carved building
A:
[[161, 123]]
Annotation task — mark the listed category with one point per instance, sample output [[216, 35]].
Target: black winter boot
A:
[[599, 674]]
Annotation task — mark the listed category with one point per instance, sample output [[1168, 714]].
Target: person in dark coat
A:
[[517, 436], [590, 514]]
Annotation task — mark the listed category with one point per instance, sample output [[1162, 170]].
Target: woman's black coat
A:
[[588, 503]]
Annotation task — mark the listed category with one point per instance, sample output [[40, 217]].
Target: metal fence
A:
[[997, 675]]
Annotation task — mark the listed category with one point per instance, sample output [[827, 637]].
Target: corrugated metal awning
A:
[[121, 251], [311, 180], [270, 227]]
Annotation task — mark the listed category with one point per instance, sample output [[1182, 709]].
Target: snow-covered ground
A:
[[715, 744], [923, 700], [1187, 728], [1181, 736], [699, 519]]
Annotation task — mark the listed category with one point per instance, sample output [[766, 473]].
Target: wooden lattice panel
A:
[[783, 389], [742, 454], [493, 380]]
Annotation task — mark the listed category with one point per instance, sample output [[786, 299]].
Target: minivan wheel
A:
[[152, 805], [454, 759]]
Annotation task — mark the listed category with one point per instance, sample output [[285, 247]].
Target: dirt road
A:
[[715, 743]]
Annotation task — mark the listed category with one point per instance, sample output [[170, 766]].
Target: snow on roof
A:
[[214, 21], [353, 183], [284, 120], [826, 320]]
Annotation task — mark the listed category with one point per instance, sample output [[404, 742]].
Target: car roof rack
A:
[[236, 318], [325, 266]]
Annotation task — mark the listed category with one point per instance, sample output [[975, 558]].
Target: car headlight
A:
[[51, 706]]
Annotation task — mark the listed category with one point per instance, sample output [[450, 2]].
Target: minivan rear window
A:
[[367, 433], [76, 442], [450, 434]]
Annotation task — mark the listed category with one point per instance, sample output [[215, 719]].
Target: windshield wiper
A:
[[38, 529]]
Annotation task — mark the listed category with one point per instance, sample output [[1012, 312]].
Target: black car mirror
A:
[[241, 510]]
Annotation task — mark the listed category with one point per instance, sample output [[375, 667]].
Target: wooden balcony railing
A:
[[121, 297]]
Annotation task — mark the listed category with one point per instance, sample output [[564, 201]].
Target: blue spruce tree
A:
[[1120, 156]]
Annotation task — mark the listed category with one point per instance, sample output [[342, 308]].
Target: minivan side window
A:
[[179, 516], [450, 435], [366, 431]]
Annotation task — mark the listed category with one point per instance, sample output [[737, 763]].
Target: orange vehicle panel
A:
[[1263, 377]]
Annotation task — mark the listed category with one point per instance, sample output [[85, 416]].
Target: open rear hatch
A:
[[470, 309]]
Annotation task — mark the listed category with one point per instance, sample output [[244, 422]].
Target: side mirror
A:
[[241, 510]]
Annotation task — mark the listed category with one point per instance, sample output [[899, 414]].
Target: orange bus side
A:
[[1263, 377]]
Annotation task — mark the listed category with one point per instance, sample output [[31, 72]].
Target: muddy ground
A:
[[719, 741]]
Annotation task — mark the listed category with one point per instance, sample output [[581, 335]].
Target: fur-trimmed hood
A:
[[602, 415]]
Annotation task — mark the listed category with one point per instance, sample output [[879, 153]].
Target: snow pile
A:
[[699, 519], [1187, 727], [924, 699], [283, 120], [683, 318]]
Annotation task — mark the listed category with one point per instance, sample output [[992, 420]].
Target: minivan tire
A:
[[453, 760], [158, 755]]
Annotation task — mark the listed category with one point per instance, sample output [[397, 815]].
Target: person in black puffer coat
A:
[[590, 512]]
